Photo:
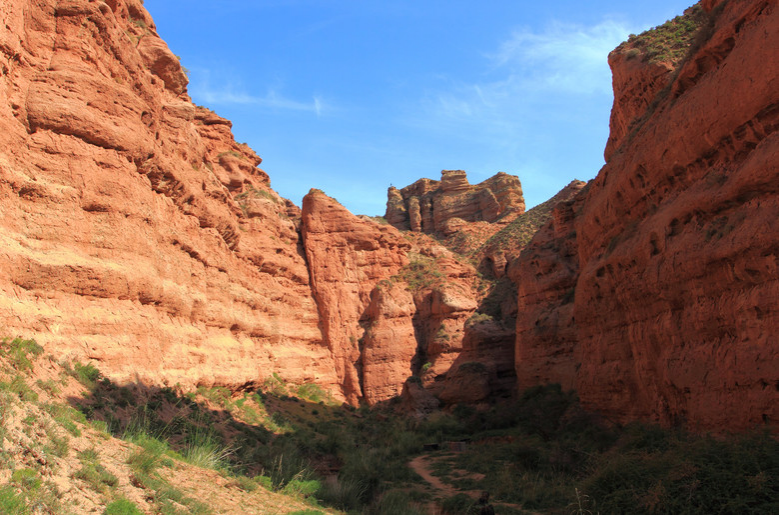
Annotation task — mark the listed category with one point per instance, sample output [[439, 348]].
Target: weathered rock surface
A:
[[654, 293], [135, 231], [392, 306], [389, 344], [505, 245], [442, 206], [347, 257]]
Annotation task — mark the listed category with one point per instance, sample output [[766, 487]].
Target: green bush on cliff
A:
[[421, 272], [671, 40]]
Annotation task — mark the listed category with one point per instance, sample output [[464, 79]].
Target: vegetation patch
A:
[[20, 353], [421, 272], [670, 41]]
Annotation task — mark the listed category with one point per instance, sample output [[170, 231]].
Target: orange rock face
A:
[[443, 206], [135, 231], [347, 257], [654, 293]]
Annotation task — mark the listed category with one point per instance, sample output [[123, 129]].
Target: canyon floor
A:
[[74, 442]]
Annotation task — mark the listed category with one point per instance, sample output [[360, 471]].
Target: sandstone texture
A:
[[643, 66], [444, 206], [135, 232], [347, 257], [394, 307], [497, 252], [653, 292]]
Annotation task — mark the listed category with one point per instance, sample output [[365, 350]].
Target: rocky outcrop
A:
[[643, 66], [653, 293], [502, 248], [389, 344], [347, 258], [546, 275], [135, 232], [392, 306], [442, 206]]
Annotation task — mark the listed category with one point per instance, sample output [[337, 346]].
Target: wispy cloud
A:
[[566, 57], [563, 63], [539, 106], [230, 93]]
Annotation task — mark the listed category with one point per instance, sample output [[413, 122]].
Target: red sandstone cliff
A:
[[347, 257], [443, 206], [392, 305], [655, 292], [135, 231]]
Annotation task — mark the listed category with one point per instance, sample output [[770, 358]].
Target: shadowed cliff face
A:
[[653, 293], [135, 231]]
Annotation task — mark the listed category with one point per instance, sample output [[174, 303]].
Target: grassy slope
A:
[[59, 455], [73, 442]]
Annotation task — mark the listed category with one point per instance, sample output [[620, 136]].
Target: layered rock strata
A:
[[654, 293], [347, 257], [441, 206], [135, 232]]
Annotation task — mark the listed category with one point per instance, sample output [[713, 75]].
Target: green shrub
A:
[[246, 484], [150, 455], [203, 449], [19, 352], [122, 507], [96, 476], [342, 493], [27, 479], [87, 374], [19, 386], [459, 504], [58, 445], [671, 40], [302, 488], [396, 502], [687, 474], [478, 318], [12, 503], [312, 392]]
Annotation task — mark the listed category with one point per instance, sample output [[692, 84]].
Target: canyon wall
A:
[[138, 235], [654, 292], [347, 257], [135, 232]]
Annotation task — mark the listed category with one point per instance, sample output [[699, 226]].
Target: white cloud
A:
[[563, 63], [566, 57], [539, 108], [230, 93]]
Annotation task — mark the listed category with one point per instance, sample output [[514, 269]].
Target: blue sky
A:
[[351, 96]]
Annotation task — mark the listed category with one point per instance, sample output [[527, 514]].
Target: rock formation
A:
[[443, 206], [135, 231], [497, 252], [654, 292], [347, 257], [137, 234]]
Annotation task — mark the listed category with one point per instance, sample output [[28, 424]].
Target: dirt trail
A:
[[422, 466]]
